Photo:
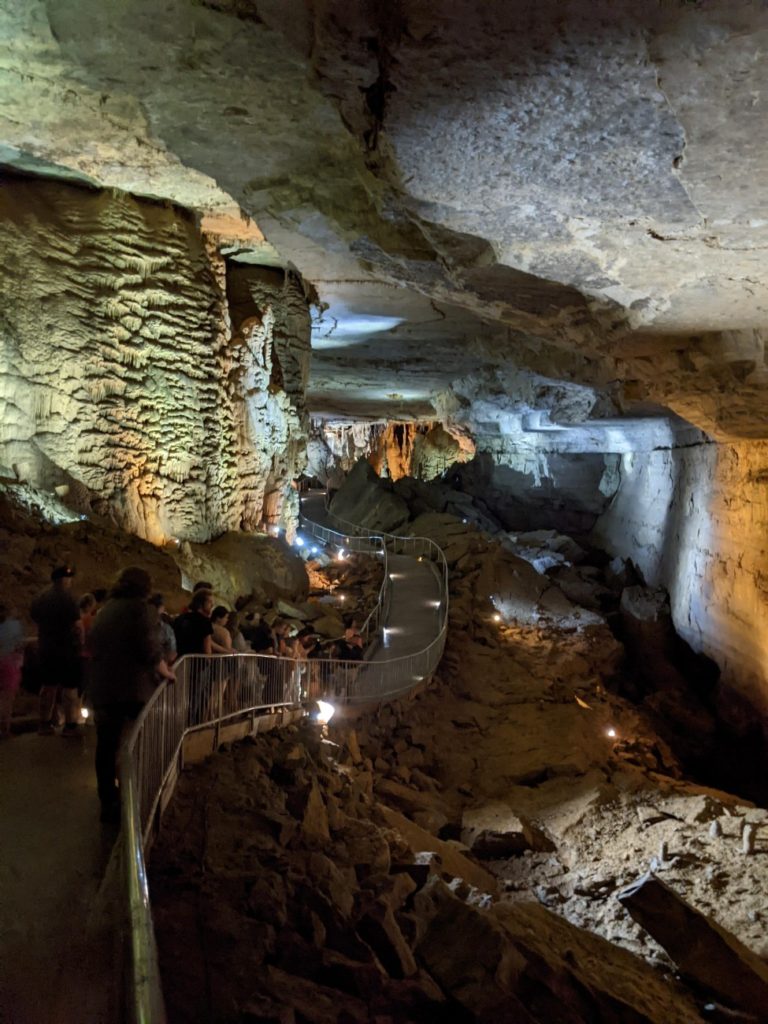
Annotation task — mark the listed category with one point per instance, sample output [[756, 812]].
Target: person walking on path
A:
[[127, 665], [11, 646], [56, 614]]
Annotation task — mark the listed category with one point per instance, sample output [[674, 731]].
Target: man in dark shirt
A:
[[260, 635], [127, 666], [56, 612], [194, 628]]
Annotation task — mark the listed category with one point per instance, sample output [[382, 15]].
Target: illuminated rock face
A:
[[695, 520], [120, 377], [395, 449]]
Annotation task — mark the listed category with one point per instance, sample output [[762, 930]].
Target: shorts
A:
[[10, 673]]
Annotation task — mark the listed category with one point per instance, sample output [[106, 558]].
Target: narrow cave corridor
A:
[[383, 511]]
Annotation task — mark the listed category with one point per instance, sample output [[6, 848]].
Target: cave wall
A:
[[535, 489], [695, 520], [121, 379]]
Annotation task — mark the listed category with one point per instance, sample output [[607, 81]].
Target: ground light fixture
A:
[[497, 617], [611, 732], [325, 712]]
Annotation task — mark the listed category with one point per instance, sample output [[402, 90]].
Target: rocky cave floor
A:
[[457, 856]]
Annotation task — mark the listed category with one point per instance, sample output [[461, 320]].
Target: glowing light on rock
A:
[[611, 732]]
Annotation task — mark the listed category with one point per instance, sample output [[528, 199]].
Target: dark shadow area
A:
[[681, 692]]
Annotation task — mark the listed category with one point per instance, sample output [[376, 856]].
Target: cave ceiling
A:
[[575, 190]]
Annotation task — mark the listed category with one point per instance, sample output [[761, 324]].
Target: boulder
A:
[[367, 501], [494, 831], [289, 611], [329, 626], [521, 963], [314, 824], [379, 929], [705, 953], [450, 863]]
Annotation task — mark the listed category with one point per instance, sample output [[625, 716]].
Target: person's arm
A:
[[221, 642], [164, 672], [208, 644]]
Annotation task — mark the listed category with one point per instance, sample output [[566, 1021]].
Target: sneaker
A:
[[46, 729]]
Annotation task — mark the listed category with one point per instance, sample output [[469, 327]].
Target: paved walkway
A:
[[54, 947], [413, 618]]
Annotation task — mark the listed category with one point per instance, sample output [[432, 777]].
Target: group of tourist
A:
[[116, 647]]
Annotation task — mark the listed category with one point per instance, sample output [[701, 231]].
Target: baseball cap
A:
[[62, 572]]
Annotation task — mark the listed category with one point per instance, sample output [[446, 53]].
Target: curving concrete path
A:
[[413, 614]]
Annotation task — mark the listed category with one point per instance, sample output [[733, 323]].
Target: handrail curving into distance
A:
[[217, 690]]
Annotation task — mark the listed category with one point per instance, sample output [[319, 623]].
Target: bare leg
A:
[[47, 705], [6, 709], [71, 702]]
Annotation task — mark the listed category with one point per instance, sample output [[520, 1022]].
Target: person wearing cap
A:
[[56, 614], [127, 666]]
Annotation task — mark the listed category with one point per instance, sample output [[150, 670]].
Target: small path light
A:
[[325, 712]]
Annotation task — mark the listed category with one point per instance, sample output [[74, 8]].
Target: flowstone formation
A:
[[121, 380], [424, 450]]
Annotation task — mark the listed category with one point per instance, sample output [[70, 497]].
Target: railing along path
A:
[[211, 692]]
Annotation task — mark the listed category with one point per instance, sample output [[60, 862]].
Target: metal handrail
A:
[[373, 541], [213, 690], [398, 540]]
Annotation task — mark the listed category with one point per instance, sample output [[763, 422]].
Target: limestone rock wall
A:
[[119, 380], [695, 520]]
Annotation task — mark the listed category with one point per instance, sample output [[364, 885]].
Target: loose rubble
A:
[[456, 856], [283, 890]]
